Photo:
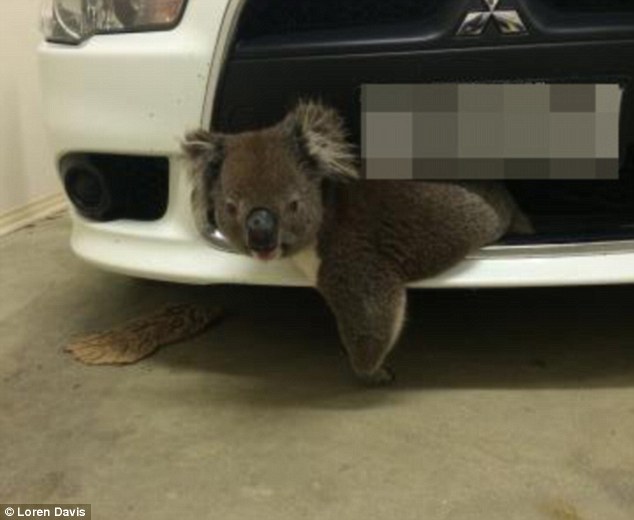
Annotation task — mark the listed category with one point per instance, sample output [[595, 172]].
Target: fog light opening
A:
[[88, 191]]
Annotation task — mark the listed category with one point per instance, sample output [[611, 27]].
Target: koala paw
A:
[[381, 377]]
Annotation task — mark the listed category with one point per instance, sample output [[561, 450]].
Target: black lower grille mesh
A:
[[274, 17], [592, 6]]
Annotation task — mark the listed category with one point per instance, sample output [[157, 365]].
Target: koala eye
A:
[[293, 206], [231, 208]]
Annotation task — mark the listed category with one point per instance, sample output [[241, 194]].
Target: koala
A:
[[292, 191]]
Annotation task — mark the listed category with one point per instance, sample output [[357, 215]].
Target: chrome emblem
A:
[[508, 21]]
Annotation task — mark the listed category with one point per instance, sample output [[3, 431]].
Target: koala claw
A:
[[381, 377]]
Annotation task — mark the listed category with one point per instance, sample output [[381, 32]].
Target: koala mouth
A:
[[268, 254], [275, 253]]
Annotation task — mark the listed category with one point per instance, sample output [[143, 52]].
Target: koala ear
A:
[[320, 138], [205, 151]]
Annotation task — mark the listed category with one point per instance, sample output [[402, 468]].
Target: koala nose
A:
[[262, 230]]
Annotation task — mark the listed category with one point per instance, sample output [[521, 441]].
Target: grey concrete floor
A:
[[509, 404]]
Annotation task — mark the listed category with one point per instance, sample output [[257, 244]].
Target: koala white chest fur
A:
[[308, 262], [291, 191]]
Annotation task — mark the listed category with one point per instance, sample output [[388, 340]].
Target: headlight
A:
[[72, 21]]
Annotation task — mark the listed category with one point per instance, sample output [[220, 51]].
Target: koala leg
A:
[[370, 312]]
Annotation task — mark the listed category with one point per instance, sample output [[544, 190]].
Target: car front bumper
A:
[[171, 250], [137, 94]]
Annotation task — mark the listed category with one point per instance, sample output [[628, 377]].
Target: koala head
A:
[[263, 189]]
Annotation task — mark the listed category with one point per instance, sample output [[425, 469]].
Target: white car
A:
[[125, 79]]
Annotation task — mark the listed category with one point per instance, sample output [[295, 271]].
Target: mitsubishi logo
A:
[[508, 21]]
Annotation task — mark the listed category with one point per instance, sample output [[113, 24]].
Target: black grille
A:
[[591, 6], [273, 17]]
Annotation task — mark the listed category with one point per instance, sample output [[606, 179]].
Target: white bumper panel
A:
[[131, 93], [172, 250], [160, 251]]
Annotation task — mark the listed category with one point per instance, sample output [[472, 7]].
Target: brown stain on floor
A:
[[561, 510]]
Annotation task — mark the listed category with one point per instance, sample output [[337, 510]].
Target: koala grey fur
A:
[[370, 238]]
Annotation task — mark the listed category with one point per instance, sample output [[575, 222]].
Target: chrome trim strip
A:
[[225, 38], [501, 251], [228, 27], [548, 250], [218, 241]]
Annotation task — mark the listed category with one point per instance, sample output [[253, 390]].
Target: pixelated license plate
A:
[[490, 131]]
